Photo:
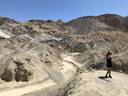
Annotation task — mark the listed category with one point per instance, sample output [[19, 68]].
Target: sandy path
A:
[[27, 89], [94, 84]]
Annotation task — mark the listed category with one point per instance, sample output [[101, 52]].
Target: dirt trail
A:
[[27, 89]]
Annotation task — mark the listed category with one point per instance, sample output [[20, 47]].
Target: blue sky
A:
[[66, 10]]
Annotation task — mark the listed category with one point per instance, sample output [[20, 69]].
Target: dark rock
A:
[[21, 74], [7, 75]]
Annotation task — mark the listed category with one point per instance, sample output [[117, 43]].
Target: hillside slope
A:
[[106, 22]]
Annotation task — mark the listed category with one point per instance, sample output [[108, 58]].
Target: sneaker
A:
[[110, 76], [106, 76]]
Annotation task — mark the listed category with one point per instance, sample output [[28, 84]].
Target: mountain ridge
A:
[[105, 22]]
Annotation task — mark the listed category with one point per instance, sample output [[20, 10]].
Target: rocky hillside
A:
[[55, 54], [106, 22]]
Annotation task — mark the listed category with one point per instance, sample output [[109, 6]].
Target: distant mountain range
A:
[[105, 22]]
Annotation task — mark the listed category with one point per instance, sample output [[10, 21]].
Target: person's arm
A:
[[114, 56]]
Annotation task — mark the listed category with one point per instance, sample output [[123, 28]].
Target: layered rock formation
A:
[[54, 55]]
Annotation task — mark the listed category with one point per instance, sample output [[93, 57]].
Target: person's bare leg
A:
[[110, 73], [107, 73]]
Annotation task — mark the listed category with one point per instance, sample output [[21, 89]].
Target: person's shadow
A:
[[104, 78]]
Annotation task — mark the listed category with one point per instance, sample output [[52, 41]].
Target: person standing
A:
[[109, 64]]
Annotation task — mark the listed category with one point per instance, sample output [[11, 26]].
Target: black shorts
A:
[[109, 65]]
